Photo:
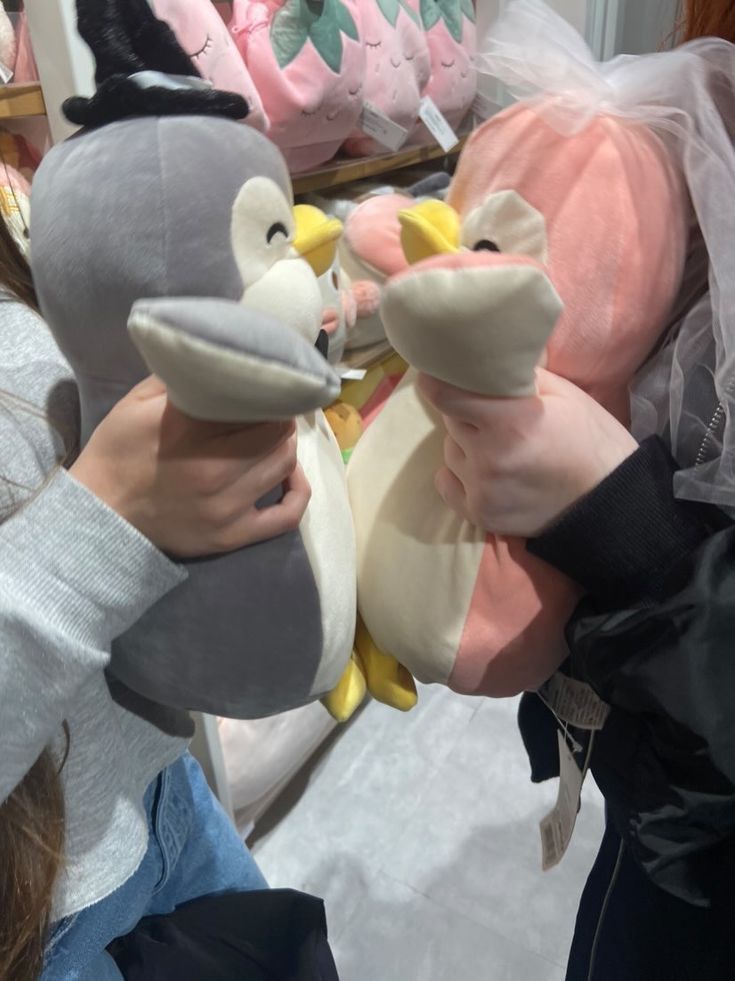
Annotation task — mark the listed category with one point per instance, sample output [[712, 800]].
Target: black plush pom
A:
[[125, 37], [121, 97]]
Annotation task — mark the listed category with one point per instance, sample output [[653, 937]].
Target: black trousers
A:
[[631, 930]]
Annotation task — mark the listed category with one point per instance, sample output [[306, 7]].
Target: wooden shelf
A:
[[345, 170], [21, 101]]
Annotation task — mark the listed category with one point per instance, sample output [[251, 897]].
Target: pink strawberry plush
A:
[[307, 60], [452, 39], [397, 66]]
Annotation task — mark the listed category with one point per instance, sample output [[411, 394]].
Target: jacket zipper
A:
[[711, 429], [714, 425]]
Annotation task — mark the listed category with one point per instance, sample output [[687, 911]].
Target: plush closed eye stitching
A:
[[378, 45], [485, 245], [205, 47], [278, 229], [449, 64]]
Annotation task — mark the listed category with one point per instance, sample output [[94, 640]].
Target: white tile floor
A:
[[421, 834]]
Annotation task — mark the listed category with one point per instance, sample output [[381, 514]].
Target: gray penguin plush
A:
[[164, 240]]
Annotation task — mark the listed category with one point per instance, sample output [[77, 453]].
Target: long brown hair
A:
[[32, 817], [31, 840], [709, 18]]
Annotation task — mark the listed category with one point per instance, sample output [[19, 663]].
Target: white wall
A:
[[647, 25]]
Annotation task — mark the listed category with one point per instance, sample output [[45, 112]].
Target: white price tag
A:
[[437, 125], [574, 702], [5, 73], [353, 374], [483, 107], [375, 123], [557, 827]]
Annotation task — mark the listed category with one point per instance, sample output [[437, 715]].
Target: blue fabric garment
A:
[[193, 851]]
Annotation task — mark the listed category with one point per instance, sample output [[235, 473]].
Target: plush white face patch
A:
[[508, 222], [277, 281], [262, 228]]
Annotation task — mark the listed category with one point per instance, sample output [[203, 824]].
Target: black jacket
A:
[[655, 638], [273, 935]]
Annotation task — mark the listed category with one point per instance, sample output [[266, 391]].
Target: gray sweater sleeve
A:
[[73, 574]]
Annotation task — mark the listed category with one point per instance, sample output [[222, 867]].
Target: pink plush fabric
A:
[[613, 260], [452, 38], [26, 70], [397, 66], [365, 297], [377, 400], [309, 72], [616, 220], [202, 33], [372, 234], [371, 252]]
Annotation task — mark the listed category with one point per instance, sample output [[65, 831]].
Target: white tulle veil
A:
[[686, 391]]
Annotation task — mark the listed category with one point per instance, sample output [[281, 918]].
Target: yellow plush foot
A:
[[387, 680], [344, 700]]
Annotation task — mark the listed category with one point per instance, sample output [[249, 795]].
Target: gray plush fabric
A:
[[188, 342], [142, 209]]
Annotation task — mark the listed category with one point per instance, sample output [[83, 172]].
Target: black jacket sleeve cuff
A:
[[624, 540]]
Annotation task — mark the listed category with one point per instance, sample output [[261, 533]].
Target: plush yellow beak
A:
[[316, 237], [430, 228]]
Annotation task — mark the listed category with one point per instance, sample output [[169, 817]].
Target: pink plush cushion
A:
[[25, 64], [397, 66], [309, 71], [452, 39], [202, 33]]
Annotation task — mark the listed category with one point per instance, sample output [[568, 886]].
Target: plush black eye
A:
[[278, 229], [485, 245]]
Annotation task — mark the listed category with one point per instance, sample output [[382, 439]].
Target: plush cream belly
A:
[[407, 540], [328, 536]]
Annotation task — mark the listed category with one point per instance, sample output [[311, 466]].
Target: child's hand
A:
[[190, 486], [513, 466]]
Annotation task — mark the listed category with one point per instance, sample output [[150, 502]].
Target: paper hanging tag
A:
[[437, 125], [483, 106], [557, 827], [575, 702], [375, 123]]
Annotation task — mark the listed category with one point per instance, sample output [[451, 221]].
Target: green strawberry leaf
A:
[[289, 32], [389, 10], [321, 21], [346, 22], [326, 37], [452, 16], [411, 12], [468, 9], [430, 13]]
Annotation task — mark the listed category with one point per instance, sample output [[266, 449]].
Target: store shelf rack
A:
[[21, 101]]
